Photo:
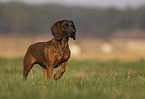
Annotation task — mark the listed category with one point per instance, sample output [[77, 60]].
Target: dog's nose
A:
[[72, 33]]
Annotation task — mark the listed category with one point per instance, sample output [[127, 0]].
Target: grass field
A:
[[84, 79]]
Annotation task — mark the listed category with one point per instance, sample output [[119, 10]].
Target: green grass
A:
[[86, 79]]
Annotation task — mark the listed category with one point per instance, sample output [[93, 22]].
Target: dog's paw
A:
[[56, 77]]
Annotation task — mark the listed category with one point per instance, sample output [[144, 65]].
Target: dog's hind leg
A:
[[45, 70], [28, 64], [45, 73]]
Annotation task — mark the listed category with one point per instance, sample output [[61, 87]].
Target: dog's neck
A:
[[61, 42]]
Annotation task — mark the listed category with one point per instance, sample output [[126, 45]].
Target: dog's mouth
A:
[[72, 35]]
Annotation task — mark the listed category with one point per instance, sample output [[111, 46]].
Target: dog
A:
[[53, 53]]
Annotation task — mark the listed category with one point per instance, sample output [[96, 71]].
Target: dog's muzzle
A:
[[72, 35]]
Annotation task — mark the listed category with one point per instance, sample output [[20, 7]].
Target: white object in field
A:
[[75, 49], [106, 48]]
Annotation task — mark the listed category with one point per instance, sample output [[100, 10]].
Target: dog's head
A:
[[64, 28]]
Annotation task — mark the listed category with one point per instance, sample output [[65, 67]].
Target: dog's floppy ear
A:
[[56, 30]]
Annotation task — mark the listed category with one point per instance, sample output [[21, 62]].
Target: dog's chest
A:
[[58, 54]]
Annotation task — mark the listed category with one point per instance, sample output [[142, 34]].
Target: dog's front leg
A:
[[49, 72], [61, 71]]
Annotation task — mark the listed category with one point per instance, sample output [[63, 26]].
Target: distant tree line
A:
[[20, 18]]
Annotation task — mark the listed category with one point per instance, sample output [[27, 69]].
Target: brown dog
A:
[[53, 53]]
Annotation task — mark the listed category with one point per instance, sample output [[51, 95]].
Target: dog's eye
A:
[[66, 26], [72, 26]]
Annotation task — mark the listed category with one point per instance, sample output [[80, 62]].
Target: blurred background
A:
[[106, 29]]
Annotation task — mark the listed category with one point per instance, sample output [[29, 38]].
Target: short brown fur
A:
[[53, 53]]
